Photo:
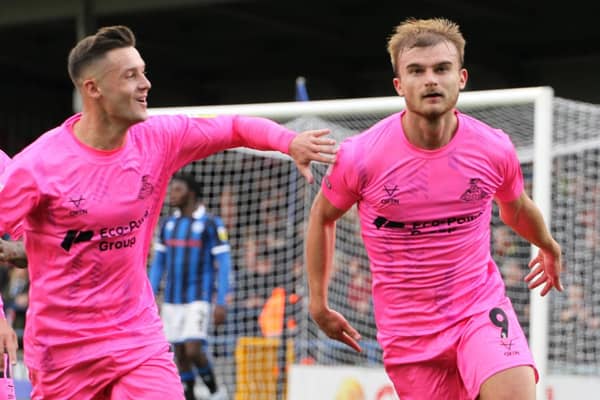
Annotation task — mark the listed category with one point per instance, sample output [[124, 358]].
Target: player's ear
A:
[[89, 87], [398, 86], [464, 76]]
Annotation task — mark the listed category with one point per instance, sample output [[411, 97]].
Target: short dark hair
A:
[[94, 47], [190, 182]]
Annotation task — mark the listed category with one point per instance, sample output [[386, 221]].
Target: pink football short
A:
[[143, 373], [453, 364]]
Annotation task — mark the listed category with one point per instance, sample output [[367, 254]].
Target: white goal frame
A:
[[541, 155]]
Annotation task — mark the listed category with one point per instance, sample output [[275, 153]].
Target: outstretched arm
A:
[[264, 134], [12, 252], [196, 138], [320, 246], [525, 218], [311, 146]]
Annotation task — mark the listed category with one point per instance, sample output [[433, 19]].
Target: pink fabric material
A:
[[88, 217], [425, 221], [461, 358], [4, 160], [144, 373], [7, 383]]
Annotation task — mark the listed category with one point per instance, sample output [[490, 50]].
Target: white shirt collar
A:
[[198, 212]]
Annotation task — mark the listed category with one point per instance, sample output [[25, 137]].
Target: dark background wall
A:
[[226, 52]]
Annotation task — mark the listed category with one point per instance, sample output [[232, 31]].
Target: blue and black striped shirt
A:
[[195, 253]]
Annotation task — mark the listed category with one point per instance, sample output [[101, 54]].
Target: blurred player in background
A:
[[193, 250], [423, 181], [89, 193]]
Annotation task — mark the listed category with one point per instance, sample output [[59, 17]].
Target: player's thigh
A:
[[154, 379], [493, 342], [427, 380], [84, 381], [517, 383]]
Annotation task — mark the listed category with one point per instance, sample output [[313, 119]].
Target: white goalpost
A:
[[265, 204]]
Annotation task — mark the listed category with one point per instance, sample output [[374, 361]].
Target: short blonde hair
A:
[[424, 33]]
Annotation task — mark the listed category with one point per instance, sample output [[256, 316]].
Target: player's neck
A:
[[429, 133], [188, 209], [100, 132]]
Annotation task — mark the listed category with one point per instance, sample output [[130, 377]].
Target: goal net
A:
[[265, 202]]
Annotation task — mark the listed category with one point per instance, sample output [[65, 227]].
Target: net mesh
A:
[[575, 316], [264, 203]]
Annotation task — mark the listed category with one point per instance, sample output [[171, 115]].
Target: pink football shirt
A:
[[4, 160], [425, 220], [88, 217]]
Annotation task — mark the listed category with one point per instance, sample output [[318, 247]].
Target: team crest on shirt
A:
[[146, 189], [474, 192], [170, 225]]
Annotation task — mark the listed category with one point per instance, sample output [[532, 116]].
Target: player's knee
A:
[[196, 355]]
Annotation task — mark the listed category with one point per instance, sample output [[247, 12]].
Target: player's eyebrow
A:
[[419, 65], [135, 69]]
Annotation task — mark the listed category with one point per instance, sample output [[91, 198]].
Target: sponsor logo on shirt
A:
[[474, 192], [443, 225], [382, 222], [111, 237], [74, 236], [222, 233]]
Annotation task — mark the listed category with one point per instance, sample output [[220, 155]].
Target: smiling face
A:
[[430, 79], [119, 85]]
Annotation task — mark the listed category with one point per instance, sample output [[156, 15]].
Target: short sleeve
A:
[[512, 185], [220, 236], [19, 194], [340, 184], [4, 160]]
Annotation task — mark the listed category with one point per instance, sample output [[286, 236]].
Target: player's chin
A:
[[139, 116], [433, 111]]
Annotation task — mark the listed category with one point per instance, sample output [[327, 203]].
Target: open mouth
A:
[[434, 95]]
